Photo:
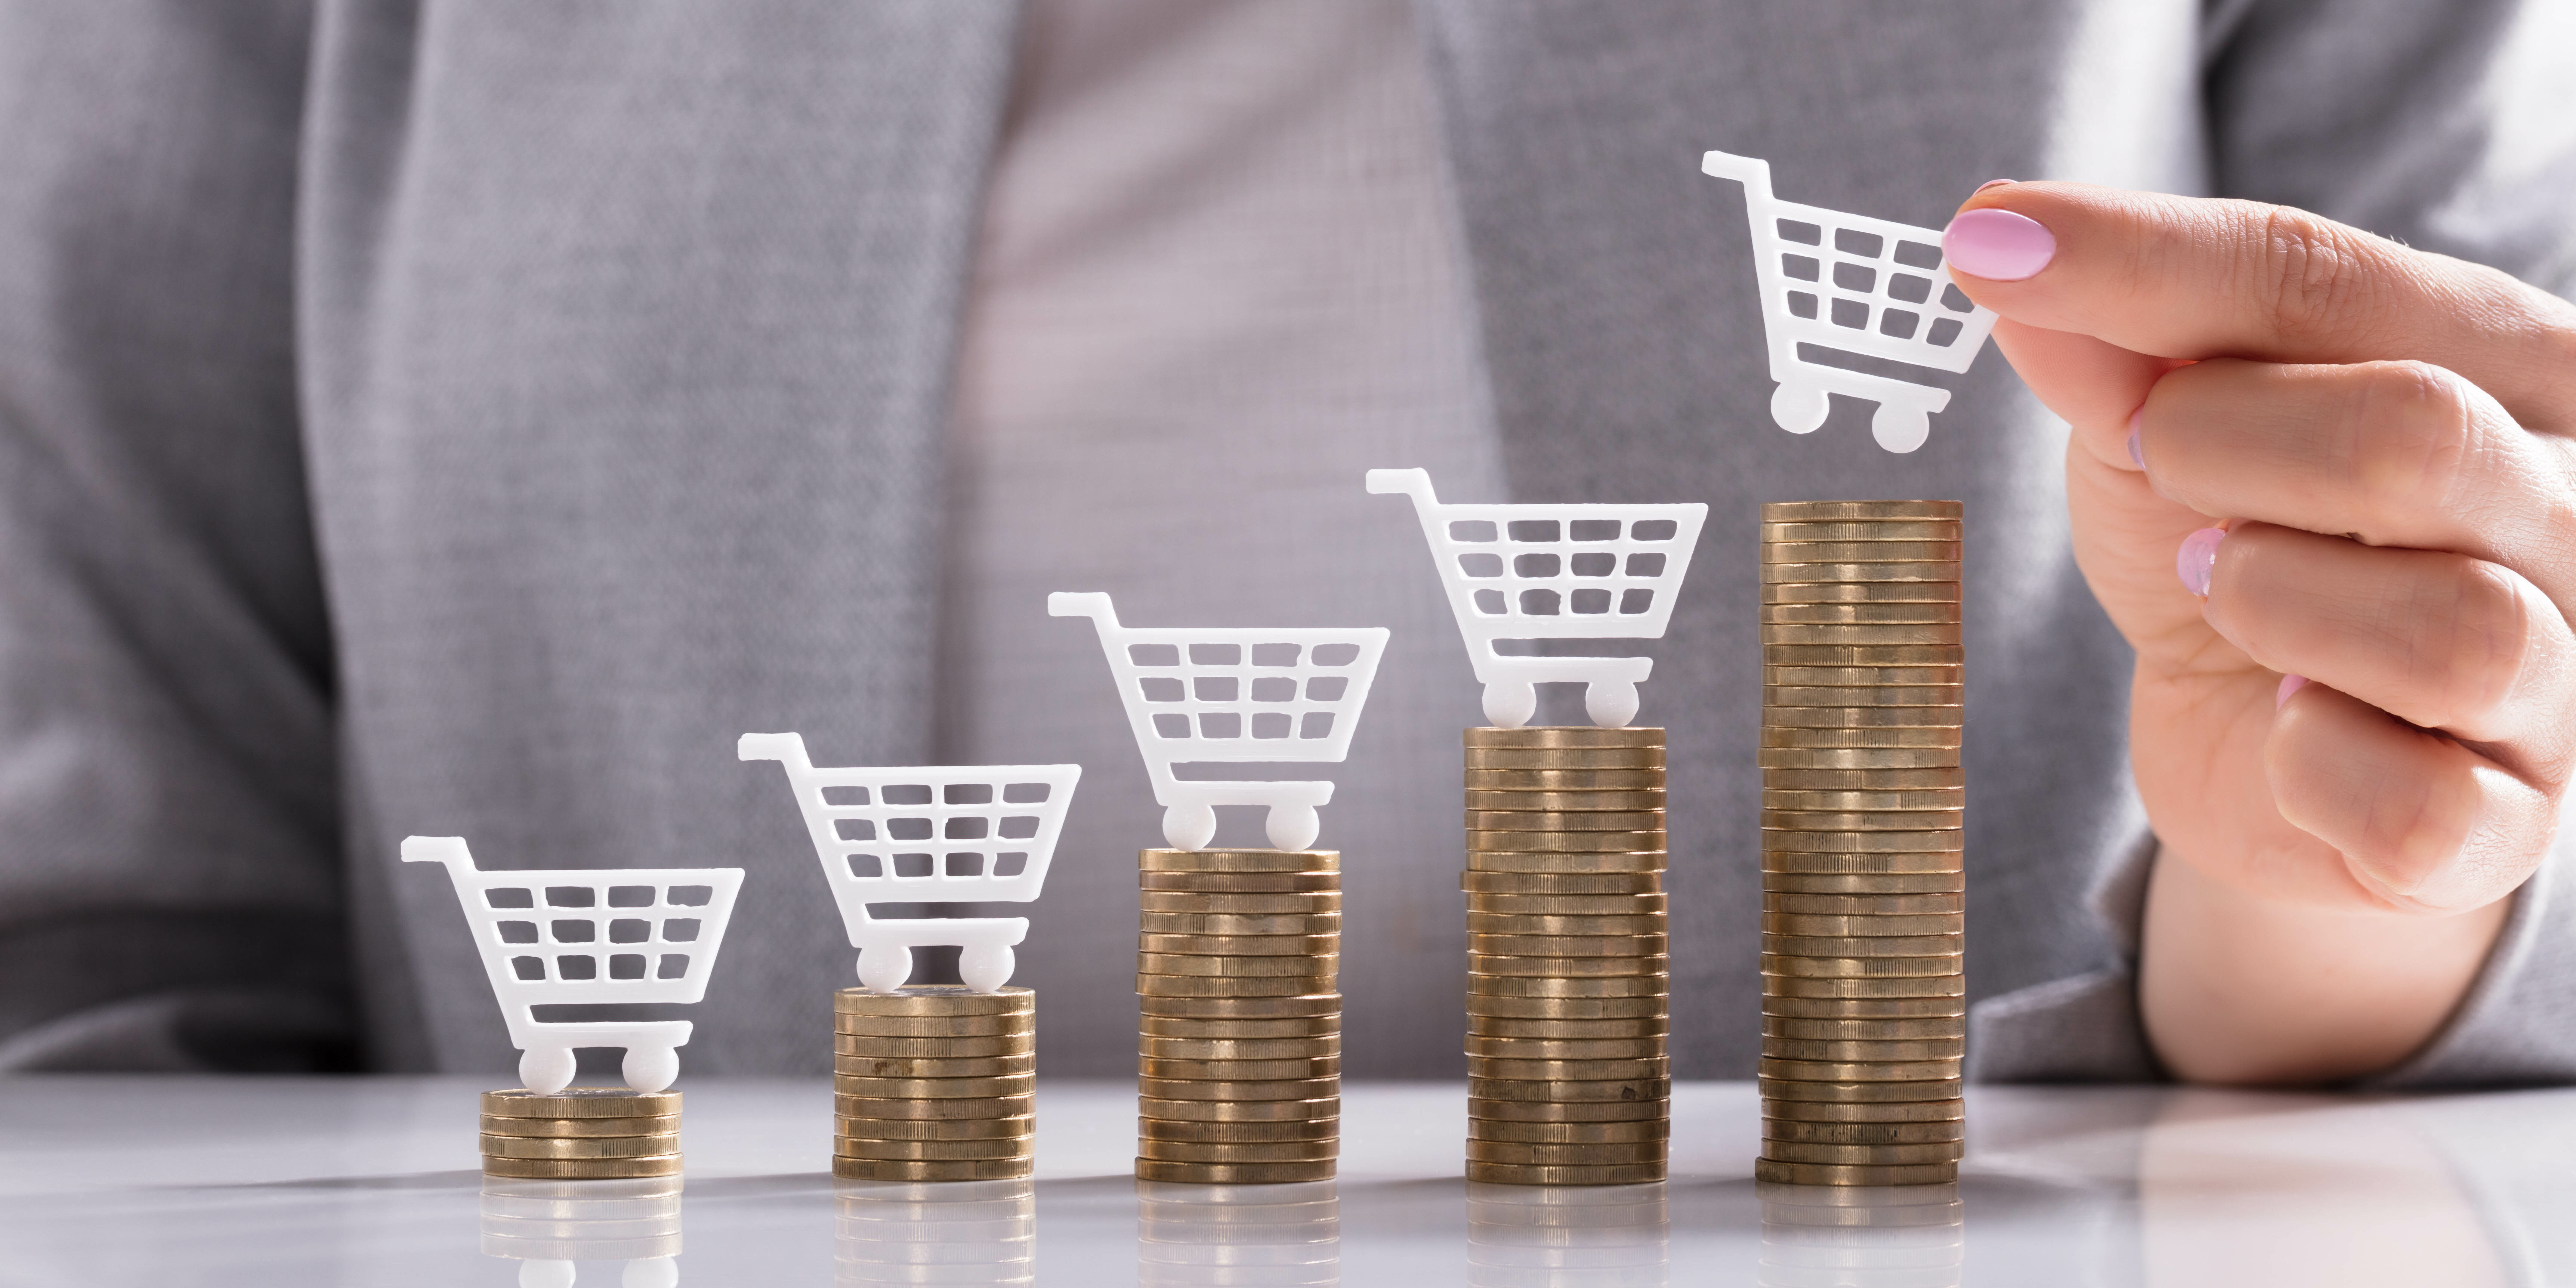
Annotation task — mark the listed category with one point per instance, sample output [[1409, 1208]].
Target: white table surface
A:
[[272, 1181]]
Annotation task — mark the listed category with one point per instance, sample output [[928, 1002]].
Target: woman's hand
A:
[[2324, 485]]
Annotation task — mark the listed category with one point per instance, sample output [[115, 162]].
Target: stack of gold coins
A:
[[581, 1134], [934, 1084], [974, 1233], [1239, 1047], [1230, 1236], [1864, 1004], [1567, 978], [1861, 1236]]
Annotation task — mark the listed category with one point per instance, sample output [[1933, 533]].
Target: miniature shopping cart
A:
[[1209, 695], [1858, 285], [968, 834], [1533, 572], [564, 936]]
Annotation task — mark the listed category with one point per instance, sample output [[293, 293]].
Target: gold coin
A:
[[1891, 717], [1864, 530], [1862, 925], [1234, 986], [1260, 1089], [1019, 1024], [1510, 1174], [1491, 965], [1865, 884], [1302, 1068], [571, 1128], [1560, 861], [1238, 1048], [1864, 654], [1831, 677], [1295, 1005], [1499, 1026], [935, 1150], [1301, 904], [1309, 945], [1897, 614], [1649, 1047], [1787, 573], [1564, 736], [1861, 780], [984, 1066], [1566, 758], [1885, 1112], [1947, 1028], [1860, 905], [581, 1169], [1786, 746], [1813, 1174], [1797, 1131], [1295, 1026], [1632, 1069], [1565, 802], [1519, 1153], [1569, 1090], [926, 1109], [1560, 883], [1789, 1151], [1909, 1091], [1253, 1133], [1271, 1151], [1006, 1128], [1881, 862], [1881, 551], [1486, 1111], [1566, 987], [1861, 633], [1860, 511], [1864, 946], [1784, 842], [932, 1088], [1240, 882], [1797, 966], [1148, 1169], [931, 1170], [1864, 1051], [1639, 945], [1563, 780], [1631, 1131], [1861, 592], [1936, 798], [1860, 1009], [1859, 1070], [1241, 1111], [1946, 755], [1599, 820], [1861, 820], [1485, 1008], [935, 999], [1567, 905], [1236, 862], [582, 1102], [1891, 698], [1952, 985], [580, 1146], [1565, 842], [1519, 924], [870, 1045], [1284, 966], [1213, 923]]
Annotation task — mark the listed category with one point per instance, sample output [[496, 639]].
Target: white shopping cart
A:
[[1858, 285], [569, 936], [1211, 695], [962, 834], [1532, 572]]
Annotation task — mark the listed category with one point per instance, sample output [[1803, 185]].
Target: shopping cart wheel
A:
[[1900, 429], [546, 1274], [651, 1272], [650, 1068], [1292, 827], [546, 1070], [1799, 408], [883, 969], [986, 970], [1189, 827], [1510, 704], [1610, 703]]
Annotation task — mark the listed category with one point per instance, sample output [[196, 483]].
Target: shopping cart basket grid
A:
[[950, 834], [567, 936], [1852, 284], [1237, 695], [1533, 572]]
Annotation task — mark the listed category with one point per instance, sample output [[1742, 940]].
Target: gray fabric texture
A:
[[467, 420]]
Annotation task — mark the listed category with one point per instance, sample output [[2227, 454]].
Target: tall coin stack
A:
[[1567, 978], [581, 1134], [1864, 1004], [934, 1084], [1239, 1046]]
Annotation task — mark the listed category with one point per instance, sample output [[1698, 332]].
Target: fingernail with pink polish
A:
[[2137, 449], [1995, 183], [2198, 556], [2289, 684], [1997, 244]]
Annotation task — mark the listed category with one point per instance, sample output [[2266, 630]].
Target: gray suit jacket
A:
[[467, 419]]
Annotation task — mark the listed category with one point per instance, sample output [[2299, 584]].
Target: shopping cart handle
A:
[[1753, 172], [1414, 483], [449, 850], [1093, 604], [785, 747]]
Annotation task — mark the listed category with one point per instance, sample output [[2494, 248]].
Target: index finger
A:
[[2192, 278]]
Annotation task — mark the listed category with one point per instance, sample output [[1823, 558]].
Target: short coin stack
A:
[[581, 1134], [1863, 802], [934, 1084], [1239, 1047], [1567, 977]]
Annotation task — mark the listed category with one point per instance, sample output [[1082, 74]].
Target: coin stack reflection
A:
[[1239, 1042], [1523, 1237], [979, 1232], [934, 1084], [1567, 977], [1861, 1238], [1227, 1236], [1863, 802], [581, 1134], [552, 1224]]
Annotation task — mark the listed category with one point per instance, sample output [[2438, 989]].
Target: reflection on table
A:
[[1822, 1236], [1592, 1236], [1237, 1236], [965, 1232], [546, 1226]]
